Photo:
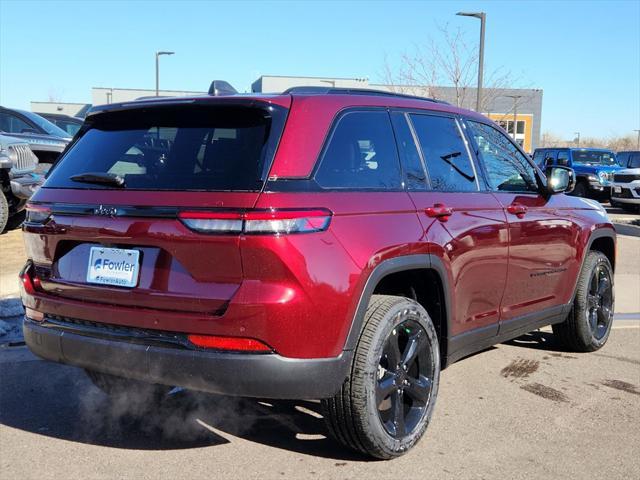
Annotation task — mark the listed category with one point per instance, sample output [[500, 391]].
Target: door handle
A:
[[517, 209], [439, 211]]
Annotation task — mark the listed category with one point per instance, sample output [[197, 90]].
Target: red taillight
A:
[[258, 221], [237, 344], [27, 280], [37, 213]]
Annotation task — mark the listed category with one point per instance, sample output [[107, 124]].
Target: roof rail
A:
[[312, 90]]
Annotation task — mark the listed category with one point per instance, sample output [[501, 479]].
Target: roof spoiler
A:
[[221, 88]]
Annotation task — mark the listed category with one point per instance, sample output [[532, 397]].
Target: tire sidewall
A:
[[403, 310], [581, 304], [4, 212], [580, 190]]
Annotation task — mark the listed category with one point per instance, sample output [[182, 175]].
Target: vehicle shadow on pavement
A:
[[59, 401], [539, 341]]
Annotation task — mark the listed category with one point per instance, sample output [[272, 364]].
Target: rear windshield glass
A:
[[178, 148]]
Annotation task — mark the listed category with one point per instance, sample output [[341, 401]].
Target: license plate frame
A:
[[116, 267]]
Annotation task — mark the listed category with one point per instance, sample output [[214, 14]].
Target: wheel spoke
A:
[[397, 404], [605, 314], [385, 387], [593, 319], [593, 284], [414, 345], [603, 285], [419, 389], [392, 351], [592, 300]]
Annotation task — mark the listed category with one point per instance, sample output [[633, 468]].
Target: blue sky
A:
[[585, 55]]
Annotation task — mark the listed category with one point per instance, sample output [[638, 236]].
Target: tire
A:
[[588, 325], [15, 221], [355, 416], [4, 212], [627, 207], [580, 190], [118, 386]]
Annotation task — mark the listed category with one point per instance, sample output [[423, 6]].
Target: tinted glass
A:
[[361, 154], [414, 173], [593, 157], [188, 148], [507, 169], [538, 158], [69, 127], [44, 124], [563, 157], [445, 154], [11, 124], [634, 161]]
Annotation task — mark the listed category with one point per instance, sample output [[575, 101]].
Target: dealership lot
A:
[[522, 409]]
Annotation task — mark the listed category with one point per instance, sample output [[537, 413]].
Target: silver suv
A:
[[18, 180]]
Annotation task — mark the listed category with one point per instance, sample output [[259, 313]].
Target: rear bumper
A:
[[247, 375]]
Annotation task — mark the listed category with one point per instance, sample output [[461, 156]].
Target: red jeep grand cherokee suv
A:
[[333, 244]]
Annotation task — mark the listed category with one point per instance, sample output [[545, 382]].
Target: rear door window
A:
[[634, 161], [445, 153], [361, 154], [185, 148]]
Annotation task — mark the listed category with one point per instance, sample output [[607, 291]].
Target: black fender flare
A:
[[595, 235], [394, 265]]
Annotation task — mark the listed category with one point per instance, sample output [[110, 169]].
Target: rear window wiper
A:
[[101, 178]]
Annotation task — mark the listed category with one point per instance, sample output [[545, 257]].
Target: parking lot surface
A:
[[523, 409]]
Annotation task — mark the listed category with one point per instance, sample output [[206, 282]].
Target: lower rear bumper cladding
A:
[[241, 374]]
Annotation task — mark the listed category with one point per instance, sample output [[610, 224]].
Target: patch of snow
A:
[[11, 307], [5, 328]]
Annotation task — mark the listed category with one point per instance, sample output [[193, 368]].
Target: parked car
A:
[[17, 181], [332, 244], [594, 168], [629, 159], [69, 124], [625, 188], [45, 139]]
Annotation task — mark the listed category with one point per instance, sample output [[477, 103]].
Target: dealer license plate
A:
[[113, 266]]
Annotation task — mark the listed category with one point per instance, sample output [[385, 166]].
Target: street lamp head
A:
[[165, 53], [471, 14]]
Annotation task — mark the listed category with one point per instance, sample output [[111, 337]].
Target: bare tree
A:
[[54, 95], [448, 62], [615, 143]]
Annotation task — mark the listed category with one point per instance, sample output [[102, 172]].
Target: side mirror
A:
[[560, 179]]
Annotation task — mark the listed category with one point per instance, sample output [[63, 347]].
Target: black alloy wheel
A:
[[405, 377]]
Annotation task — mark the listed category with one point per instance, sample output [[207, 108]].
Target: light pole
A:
[[638, 138], [515, 113], [483, 18], [577, 139], [158, 70]]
